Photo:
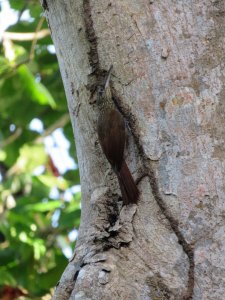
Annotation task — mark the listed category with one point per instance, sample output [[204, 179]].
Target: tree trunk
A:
[[168, 73]]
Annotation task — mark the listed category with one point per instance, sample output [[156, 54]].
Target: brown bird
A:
[[111, 134]]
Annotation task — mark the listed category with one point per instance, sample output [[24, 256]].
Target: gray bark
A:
[[168, 80]]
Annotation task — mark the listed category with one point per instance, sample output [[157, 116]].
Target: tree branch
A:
[[26, 36], [58, 124], [11, 138]]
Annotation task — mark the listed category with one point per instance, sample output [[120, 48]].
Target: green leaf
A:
[[7, 255], [31, 156], [39, 189], [2, 155], [36, 90], [75, 204], [51, 181], [35, 10], [6, 278], [73, 176], [15, 4], [70, 220], [4, 65], [45, 206], [51, 277], [39, 249]]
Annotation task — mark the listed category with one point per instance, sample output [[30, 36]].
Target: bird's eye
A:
[[100, 91]]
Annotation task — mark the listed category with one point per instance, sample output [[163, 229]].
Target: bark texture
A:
[[168, 81]]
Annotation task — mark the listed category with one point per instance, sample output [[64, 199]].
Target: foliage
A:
[[36, 215]]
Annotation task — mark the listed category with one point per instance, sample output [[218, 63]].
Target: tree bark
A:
[[168, 59]]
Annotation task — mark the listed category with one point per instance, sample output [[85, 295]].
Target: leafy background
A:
[[39, 178]]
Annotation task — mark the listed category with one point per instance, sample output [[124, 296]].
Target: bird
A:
[[112, 138]]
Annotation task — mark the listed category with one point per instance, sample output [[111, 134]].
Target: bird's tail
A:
[[128, 187]]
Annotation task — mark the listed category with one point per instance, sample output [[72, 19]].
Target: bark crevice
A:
[[97, 75], [113, 222], [187, 248]]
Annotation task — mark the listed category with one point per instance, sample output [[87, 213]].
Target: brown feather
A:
[[129, 190], [111, 133]]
